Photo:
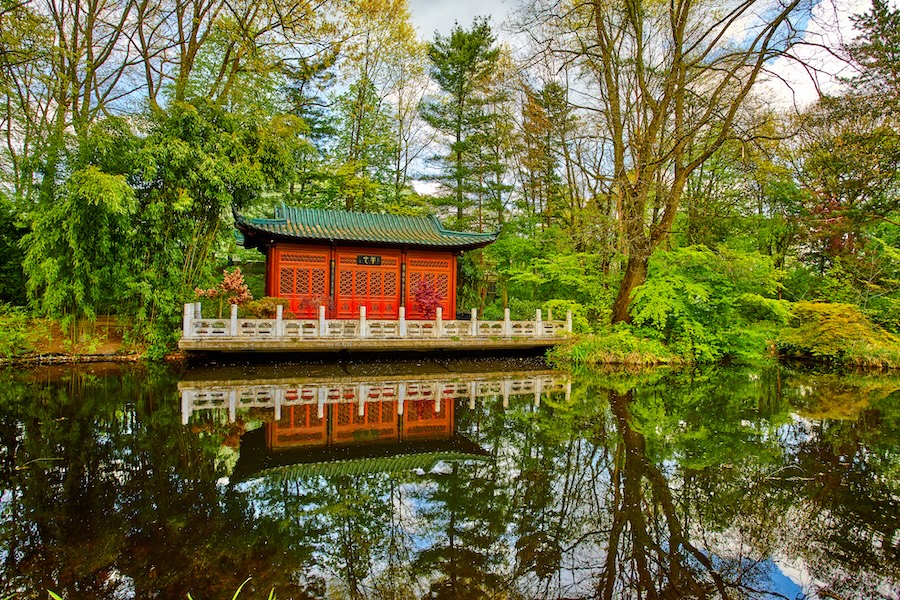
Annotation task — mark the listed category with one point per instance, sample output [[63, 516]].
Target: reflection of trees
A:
[[849, 494], [111, 495], [647, 550], [466, 512], [676, 486]]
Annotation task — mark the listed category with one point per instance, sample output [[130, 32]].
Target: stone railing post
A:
[[279, 321], [549, 314], [538, 324], [198, 310], [403, 321], [323, 325], [474, 323], [234, 324], [362, 323], [507, 324], [569, 321], [186, 324], [278, 398], [186, 400], [439, 322]]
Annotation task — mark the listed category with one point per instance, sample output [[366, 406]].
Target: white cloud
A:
[[798, 82], [440, 15]]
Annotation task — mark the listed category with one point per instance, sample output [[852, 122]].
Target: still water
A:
[[448, 479]]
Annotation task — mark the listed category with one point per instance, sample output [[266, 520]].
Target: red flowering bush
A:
[[426, 297], [232, 289]]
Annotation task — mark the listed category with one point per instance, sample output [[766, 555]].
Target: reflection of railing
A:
[[278, 328], [199, 396]]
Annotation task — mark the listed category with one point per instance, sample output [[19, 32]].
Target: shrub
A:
[[266, 307], [231, 289], [427, 297], [619, 346], [838, 333]]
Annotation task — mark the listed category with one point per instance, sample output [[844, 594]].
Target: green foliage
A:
[[265, 307], [463, 66], [619, 346], [12, 278], [701, 302], [14, 331], [838, 333], [74, 255]]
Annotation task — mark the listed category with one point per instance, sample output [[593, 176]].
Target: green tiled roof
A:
[[256, 459], [315, 225], [364, 466]]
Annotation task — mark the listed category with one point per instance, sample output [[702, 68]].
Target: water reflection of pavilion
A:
[[341, 423], [305, 395]]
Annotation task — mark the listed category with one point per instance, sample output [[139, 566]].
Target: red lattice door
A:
[[439, 270], [369, 278], [378, 422], [300, 425], [302, 278], [428, 419]]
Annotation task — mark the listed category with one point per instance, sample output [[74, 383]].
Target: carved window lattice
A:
[[389, 261], [346, 283], [286, 281], [390, 284], [443, 285], [361, 283], [304, 258], [426, 263], [348, 260], [318, 282], [302, 281]]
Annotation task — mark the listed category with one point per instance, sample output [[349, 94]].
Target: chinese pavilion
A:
[[345, 260]]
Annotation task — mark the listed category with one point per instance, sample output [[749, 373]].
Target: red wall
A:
[[303, 273]]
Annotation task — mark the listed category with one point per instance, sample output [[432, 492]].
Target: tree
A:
[[876, 54], [667, 83], [463, 66]]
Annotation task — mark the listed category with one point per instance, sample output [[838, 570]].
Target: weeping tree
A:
[[666, 82]]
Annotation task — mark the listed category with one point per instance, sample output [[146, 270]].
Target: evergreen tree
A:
[[463, 65]]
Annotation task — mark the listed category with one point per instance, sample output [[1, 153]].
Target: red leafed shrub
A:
[[232, 289], [426, 297]]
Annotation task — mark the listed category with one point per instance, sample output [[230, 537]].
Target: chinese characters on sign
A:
[[367, 259]]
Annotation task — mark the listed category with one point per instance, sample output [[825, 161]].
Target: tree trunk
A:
[[635, 275]]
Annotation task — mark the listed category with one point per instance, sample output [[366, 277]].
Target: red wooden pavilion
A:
[[345, 260]]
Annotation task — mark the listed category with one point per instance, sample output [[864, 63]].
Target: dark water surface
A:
[[448, 479]]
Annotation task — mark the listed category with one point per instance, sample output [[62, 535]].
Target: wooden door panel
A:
[[303, 278], [375, 286], [438, 269]]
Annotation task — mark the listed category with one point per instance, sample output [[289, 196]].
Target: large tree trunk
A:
[[635, 275]]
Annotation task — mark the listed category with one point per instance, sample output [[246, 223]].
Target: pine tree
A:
[[463, 66]]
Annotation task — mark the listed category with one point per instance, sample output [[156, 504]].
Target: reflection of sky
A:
[[779, 583]]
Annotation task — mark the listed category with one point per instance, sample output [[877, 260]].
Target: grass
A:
[[619, 347]]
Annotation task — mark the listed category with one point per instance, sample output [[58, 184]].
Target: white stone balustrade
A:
[[196, 397], [278, 328]]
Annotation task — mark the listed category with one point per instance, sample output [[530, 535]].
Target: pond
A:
[[448, 478]]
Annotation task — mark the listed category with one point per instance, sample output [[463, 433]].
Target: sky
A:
[[830, 25], [440, 15]]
